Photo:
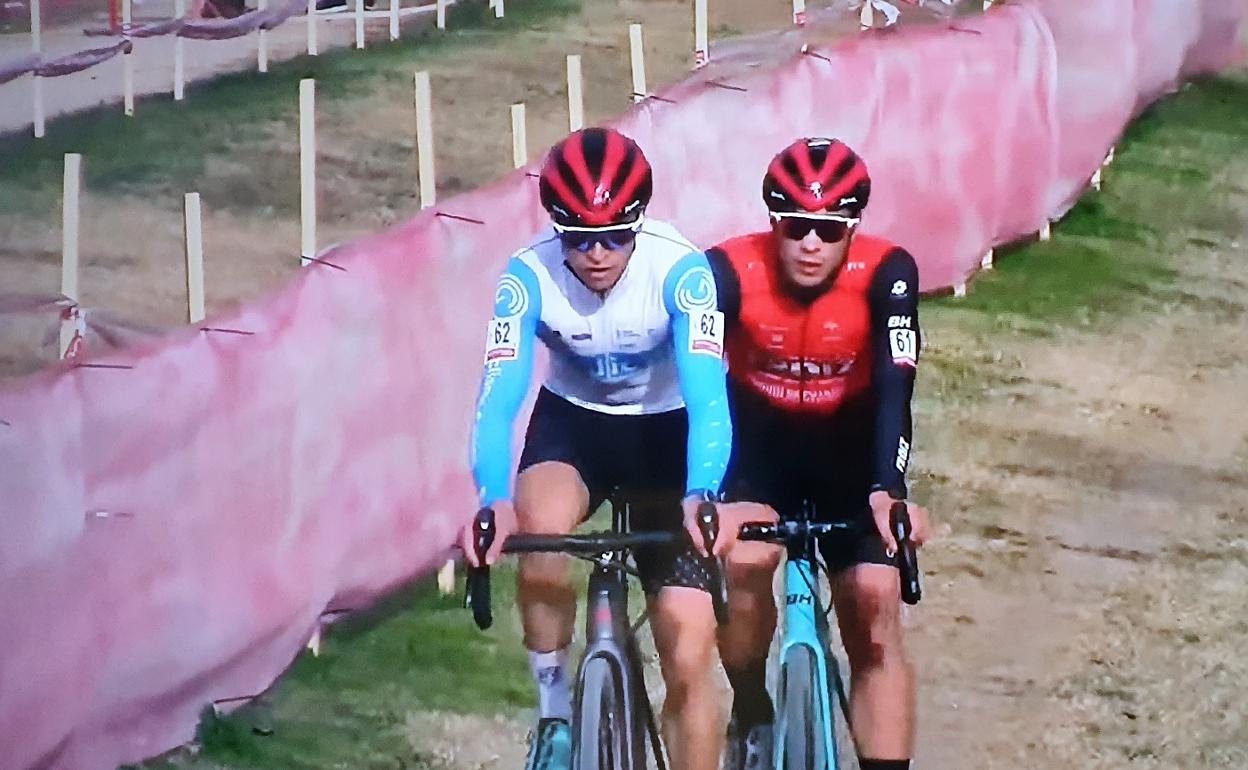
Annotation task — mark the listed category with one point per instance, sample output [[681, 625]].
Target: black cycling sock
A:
[[883, 764], [751, 705]]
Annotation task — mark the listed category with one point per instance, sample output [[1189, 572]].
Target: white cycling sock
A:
[[554, 698]]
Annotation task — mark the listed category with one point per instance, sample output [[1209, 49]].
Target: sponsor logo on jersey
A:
[[695, 290], [800, 368], [899, 322], [511, 298], [903, 453]]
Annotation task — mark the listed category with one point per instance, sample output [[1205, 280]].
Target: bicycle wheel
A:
[[800, 714], [600, 736]]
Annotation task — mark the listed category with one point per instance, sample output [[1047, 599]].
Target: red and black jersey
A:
[[850, 350]]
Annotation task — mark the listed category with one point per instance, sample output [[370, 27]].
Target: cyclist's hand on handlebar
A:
[[689, 509], [504, 525], [881, 507], [732, 516]]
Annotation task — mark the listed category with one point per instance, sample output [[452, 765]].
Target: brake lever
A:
[[708, 525], [907, 556], [477, 584]]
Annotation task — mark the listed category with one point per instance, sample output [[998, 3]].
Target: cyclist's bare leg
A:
[[750, 570], [684, 634], [551, 499], [882, 689]]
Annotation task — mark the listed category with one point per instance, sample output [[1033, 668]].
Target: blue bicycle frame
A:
[[806, 631]]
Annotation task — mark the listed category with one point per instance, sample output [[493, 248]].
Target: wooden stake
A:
[[394, 19], [179, 56], [701, 49], [424, 140], [307, 169], [446, 577], [194, 232], [127, 62], [69, 247], [359, 25], [36, 47], [262, 45], [799, 12], [519, 137], [312, 28], [638, 55], [576, 100]]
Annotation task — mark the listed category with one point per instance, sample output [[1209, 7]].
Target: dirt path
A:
[[1085, 606], [1085, 603]]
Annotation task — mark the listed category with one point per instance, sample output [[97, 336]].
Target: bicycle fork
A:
[[805, 628], [606, 637]]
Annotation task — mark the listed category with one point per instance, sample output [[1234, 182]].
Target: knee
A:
[[687, 657], [543, 573], [872, 636], [752, 565]]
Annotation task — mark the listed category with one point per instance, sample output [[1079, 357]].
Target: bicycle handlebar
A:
[[899, 515], [708, 524], [589, 543], [477, 595], [478, 583], [907, 557]]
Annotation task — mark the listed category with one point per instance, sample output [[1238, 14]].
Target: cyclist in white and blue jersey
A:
[[635, 400]]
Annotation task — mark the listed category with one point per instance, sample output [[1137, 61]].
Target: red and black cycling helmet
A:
[[597, 177], [816, 175]]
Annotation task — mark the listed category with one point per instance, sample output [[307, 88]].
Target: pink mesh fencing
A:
[[175, 518]]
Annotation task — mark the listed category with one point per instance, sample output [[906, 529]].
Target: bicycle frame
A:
[[608, 636], [805, 626]]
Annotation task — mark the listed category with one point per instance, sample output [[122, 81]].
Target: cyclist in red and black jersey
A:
[[822, 341]]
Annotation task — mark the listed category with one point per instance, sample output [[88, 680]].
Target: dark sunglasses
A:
[[829, 230], [584, 241]]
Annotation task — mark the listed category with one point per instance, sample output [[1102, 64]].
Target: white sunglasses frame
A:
[[777, 216], [635, 226]]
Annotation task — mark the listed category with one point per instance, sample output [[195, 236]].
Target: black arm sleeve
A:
[[727, 285], [894, 302]]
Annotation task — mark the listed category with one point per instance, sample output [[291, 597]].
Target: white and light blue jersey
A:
[[652, 344]]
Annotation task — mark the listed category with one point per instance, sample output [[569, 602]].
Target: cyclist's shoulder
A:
[[662, 238], [541, 252], [664, 250], [873, 251], [739, 252]]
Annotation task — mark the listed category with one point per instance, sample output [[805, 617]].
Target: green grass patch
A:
[[168, 144], [1114, 251], [415, 650]]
